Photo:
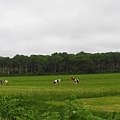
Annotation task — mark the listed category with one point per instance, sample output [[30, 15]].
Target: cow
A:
[[0, 82], [57, 81], [6, 82], [75, 80]]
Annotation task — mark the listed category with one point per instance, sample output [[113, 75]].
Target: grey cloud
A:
[[44, 27]]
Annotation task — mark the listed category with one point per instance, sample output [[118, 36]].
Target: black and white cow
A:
[[57, 81], [76, 81], [0, 82]]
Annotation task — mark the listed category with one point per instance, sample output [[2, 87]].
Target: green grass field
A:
[[99, 91]]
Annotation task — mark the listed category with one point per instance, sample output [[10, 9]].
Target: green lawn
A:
[[99, 91]]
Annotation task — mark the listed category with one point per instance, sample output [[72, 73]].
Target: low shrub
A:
[[19, 108]]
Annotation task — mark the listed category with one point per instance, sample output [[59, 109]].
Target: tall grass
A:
[[95, 85], [39, 95]]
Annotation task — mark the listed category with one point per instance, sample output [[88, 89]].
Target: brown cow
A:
[[75, 80]]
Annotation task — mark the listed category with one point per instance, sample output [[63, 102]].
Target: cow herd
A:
[[57, 81], [5, 82]]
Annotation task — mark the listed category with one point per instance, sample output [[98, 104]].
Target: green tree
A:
[[54, 63]]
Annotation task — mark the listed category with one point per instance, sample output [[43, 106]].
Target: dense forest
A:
[[60, 63]]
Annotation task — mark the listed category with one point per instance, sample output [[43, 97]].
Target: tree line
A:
[[60, 63]]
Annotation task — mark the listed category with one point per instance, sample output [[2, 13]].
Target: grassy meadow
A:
[[101, 92]]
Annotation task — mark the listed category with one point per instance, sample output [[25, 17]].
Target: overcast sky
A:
[[48, 26]]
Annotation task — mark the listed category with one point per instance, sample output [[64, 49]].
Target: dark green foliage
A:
[[19, 108], [60, 63], [14, 109], [107, 115]]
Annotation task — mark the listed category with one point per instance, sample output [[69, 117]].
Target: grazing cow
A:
[[0, 82], [57, 81], [6, 82], [75, 80]]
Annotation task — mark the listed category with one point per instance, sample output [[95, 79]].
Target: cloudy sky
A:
[[48, 26]]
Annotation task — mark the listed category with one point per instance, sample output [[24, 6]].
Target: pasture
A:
[[101, 92]]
